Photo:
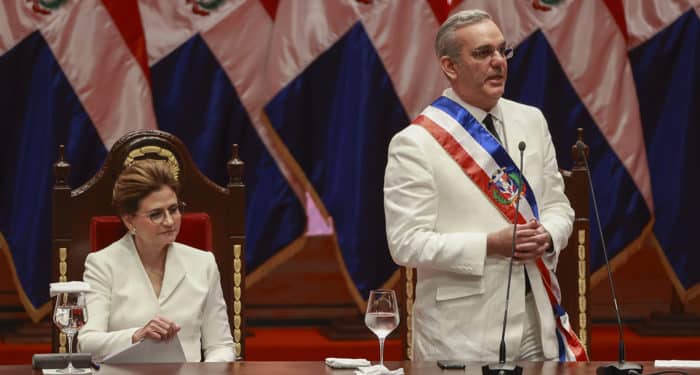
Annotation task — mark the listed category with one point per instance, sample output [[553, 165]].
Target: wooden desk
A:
[[304, 368]]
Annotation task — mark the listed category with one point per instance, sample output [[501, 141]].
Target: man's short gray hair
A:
[[445, 42]]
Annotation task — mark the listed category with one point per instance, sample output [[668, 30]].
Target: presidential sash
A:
[[482, 158]]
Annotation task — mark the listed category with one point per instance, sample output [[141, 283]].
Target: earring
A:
[[133, 231]]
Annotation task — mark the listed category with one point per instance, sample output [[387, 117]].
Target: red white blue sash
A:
[[481, 157], [488, 165]]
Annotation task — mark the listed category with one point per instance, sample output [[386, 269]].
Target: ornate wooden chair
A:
[[572, 268], [84, 221]]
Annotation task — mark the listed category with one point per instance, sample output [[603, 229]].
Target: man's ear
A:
[[448, 67]]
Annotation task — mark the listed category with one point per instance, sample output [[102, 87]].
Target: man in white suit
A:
[[449, 192]]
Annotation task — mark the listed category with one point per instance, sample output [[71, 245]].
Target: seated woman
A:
[[146, 285]]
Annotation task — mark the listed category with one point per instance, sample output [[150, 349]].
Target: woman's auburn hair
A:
[[138, 180]]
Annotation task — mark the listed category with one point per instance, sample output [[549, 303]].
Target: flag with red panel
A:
[[314, 90]]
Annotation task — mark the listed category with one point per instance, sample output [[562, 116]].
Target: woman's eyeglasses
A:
[[158, 216]]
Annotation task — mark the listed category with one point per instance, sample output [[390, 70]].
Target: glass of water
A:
[[382, 316], [69, 315]]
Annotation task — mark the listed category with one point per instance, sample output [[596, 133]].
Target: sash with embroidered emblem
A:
[[482, 158]]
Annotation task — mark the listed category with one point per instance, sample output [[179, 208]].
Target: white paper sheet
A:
[[149, 351], [346, 362], [677, 363], [57, 371], [68, 287]]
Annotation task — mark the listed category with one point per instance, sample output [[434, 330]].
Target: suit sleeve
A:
[[94, 337], [411, 209], [556, 214], [217, 342]]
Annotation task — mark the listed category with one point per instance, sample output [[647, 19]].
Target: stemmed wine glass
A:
[[382, 316], [70, 314]]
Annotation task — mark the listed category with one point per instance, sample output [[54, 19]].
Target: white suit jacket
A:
[[437, 221], [122, 300]]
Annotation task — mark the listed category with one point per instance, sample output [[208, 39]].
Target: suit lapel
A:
[[515, 132], [147, 287], [174, 274]]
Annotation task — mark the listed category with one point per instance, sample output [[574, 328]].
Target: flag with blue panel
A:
[[314, 90]]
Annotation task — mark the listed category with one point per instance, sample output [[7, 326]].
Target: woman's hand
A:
[[158, 328]]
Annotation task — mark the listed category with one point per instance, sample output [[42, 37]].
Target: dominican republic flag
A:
[[314, 90]]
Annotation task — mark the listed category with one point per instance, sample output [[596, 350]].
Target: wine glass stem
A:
[[381, 351], [69, 368]]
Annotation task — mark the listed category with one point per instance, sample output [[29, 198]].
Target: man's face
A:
[[477, 77]]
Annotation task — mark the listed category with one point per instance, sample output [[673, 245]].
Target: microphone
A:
[[503, 368], [521, 147], [621, 367]]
